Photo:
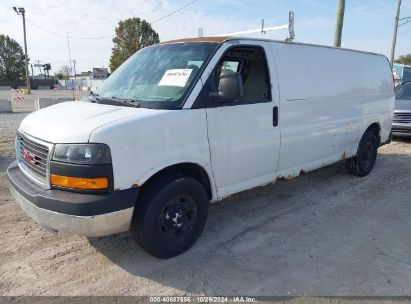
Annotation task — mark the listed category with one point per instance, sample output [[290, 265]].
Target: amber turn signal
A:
[[97, 183]]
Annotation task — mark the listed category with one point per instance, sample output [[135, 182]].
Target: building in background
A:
[[100, 73], [85, 81], [86, 75]]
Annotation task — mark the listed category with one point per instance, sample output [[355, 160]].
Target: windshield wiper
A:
[[126, 101]]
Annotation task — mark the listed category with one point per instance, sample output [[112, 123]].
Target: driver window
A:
[[250, 62]]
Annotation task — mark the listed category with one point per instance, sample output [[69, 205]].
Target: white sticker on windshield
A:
[[175, 77]]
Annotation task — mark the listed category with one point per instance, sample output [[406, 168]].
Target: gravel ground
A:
[[9, 123], [324, 233]]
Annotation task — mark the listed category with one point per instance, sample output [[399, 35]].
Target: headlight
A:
[[86, 154]]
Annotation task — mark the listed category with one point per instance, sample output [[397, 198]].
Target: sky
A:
[[368, 24]]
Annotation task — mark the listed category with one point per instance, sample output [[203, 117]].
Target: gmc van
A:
[[192, 121]]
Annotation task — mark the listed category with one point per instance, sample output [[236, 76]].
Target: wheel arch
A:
[[191, 169], [375, 128]]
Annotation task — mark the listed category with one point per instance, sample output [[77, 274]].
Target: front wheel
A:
[[363, 162], [170, 215]]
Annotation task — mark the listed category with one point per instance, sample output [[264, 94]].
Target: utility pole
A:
[[69, 53], [339, 23], [394, 36], [200, 32], [21, 11], [74, 63], [39, 65]]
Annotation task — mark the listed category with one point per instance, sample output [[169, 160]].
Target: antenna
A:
[[263, 29]]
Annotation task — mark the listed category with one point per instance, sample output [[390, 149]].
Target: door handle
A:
[[275, 116]]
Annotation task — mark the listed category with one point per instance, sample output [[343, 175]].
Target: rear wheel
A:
[[170, 215], [363, 162]]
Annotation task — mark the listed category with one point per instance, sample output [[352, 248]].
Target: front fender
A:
[[142, 146]]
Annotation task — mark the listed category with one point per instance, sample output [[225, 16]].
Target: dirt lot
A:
[[5, 94], [325, 233], [28, 104]]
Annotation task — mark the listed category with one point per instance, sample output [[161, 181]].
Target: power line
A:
[[77, 60], [108, 36], [65, 36], [404, 20], [173, 12]]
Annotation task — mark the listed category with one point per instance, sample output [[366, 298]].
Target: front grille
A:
[[402, 117], [33, 155]]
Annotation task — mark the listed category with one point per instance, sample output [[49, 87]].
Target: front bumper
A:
[[78, 213], [401, 128]]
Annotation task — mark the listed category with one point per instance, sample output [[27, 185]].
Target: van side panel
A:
[[328, 99]]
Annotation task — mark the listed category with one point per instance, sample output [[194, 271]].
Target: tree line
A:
[[130, 35]]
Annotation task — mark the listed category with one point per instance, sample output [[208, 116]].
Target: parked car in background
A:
[[401, 72], [402, 112]]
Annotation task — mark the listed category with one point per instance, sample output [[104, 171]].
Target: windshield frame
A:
[[169, 105]]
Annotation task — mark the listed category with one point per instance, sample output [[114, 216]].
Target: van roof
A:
[[199, 39], [221, 39]]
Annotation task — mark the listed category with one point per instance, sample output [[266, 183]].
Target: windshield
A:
[[159, 76], [403, 91]]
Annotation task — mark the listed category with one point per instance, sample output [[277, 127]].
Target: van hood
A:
[[74, 121]]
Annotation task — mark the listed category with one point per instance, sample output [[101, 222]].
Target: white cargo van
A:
[[190, 121]]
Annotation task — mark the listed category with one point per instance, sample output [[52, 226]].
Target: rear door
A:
[[244, 136]]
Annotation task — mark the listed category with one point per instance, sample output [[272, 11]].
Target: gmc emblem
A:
[[28, 157]]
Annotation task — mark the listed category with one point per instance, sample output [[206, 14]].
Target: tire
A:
[[170, 215], [363, 162]]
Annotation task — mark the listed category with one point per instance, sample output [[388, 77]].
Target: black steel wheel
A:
[[170, 215], [363, 162], [178, 217]]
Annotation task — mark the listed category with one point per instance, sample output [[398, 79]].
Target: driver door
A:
[[244, 136]]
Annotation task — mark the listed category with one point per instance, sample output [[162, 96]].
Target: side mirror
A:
[[230, 88]]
